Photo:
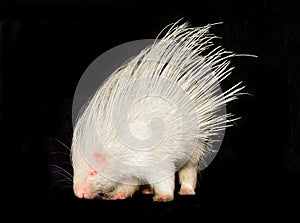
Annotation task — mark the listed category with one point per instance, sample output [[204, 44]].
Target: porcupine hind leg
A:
[[189, 172], [188, 179], [123, 191], [164, 190]]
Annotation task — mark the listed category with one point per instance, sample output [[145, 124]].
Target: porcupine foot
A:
[[146, 190], [188, 179], [164, 191], [162, 198], [122, 192], [186, 191], [118, 196]]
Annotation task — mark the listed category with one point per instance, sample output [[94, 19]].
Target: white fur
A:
[[158, 112]]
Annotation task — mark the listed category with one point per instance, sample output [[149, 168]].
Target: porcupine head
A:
[[156, 115]]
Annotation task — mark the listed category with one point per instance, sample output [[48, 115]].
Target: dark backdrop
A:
[[45, 46]]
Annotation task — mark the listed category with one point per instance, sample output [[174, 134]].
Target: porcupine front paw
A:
[[118, 196], [122, 192]]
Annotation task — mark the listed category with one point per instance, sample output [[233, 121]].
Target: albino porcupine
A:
[[158, 113]]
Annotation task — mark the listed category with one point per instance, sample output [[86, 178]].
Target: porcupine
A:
[[154, 116]]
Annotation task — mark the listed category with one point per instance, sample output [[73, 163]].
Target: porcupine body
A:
[[157, 114]]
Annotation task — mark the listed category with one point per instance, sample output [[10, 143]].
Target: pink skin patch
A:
[[93, 173], [83, 191], [101, 160]]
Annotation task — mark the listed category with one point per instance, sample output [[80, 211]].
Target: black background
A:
[[45, 46]]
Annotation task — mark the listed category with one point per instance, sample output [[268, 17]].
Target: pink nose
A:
[[83, 191]]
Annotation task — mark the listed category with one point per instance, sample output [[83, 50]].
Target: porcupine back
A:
[[159, 106]]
